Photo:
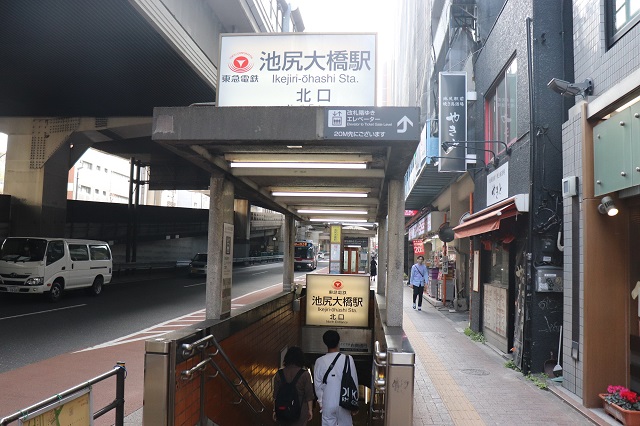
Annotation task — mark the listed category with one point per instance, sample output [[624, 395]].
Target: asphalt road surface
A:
[[33, 329]]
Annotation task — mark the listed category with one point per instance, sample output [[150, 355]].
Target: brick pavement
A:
[[462, 382]]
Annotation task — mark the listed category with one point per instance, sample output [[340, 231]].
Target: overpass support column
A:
[[219, 249], [395, 248], [242, 222], [383, 236], [36, 175], [289, 239]]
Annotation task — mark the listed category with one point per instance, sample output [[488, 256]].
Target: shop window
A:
[[499, 271], [621, 16], [501, 118]]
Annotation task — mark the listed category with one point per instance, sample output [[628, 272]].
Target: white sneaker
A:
[[414, 306]]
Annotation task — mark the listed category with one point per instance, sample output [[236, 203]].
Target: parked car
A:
[[52, 265], [198, 265]]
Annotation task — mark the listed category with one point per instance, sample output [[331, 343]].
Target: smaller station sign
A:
[[338, 300], [372, 123]]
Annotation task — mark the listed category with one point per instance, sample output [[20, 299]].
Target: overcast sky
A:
[[350, 16]]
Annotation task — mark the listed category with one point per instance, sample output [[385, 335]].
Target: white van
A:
[[51, 265]]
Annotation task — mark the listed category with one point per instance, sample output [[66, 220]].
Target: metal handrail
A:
[[379, 384], [119, 370], [189, 348]]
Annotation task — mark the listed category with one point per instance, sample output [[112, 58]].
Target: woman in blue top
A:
[[418, 280]]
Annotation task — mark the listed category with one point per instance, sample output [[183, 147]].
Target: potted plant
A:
[[623, 404]]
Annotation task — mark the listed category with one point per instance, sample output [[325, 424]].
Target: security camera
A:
[[571, 89]]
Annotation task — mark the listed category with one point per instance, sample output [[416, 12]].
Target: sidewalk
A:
[[462, 382]]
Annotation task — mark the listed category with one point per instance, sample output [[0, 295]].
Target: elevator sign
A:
[[297, 69], [338, 300]]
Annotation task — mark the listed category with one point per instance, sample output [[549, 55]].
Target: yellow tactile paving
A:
[[459, 407]]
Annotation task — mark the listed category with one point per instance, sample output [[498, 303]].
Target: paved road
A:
[[33, 329]]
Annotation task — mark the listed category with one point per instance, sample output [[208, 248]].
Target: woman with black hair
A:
[[293, 364]]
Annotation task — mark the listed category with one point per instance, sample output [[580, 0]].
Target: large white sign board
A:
[[297, 69], [338, 300]]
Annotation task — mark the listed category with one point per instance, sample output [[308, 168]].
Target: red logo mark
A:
[[241, 62], [337, 285]]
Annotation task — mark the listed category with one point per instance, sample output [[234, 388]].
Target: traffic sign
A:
[[372, 123]]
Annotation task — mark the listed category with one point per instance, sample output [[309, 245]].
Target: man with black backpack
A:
[[334, 391], [293, 391]]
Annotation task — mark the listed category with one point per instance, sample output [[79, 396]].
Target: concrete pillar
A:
[[36, 175], [382, 257], [289, 239], [242, 222], [395, 248], [219, 249]]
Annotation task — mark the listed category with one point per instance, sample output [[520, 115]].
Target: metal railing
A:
[[189, 349], [378, 383], [119, 371]]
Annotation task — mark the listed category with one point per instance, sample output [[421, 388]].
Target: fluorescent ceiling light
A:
[[288, 165], [309, 211], [366, 225], [320, 194], [339, 220]]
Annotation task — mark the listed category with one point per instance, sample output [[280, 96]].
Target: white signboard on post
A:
[[338, 300], [297, 69]]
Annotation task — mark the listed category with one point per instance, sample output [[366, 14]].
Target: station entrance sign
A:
[[372, 123], [338, 300]]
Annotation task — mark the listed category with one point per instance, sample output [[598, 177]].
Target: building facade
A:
[[600, 143], [500, 241]]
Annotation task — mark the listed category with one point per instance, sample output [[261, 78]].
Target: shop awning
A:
[[488, 219]]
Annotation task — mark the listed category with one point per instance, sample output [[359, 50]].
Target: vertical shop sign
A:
[[418, 247], [452, 129], [336, 245]]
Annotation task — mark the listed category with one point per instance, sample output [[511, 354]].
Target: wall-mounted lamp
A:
[[485, 167], [448, 146], [607, 206], [571, 89]]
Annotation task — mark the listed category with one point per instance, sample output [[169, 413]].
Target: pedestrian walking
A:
[[327, 379], [374, 269], [299, 378], [418, 279]]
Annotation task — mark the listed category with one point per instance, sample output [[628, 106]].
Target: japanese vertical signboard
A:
[[336, 246], [338, 300], [297, 69], [453, 121]]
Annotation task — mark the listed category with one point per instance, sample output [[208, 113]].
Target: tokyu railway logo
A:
[[337, 284], [241, 62]]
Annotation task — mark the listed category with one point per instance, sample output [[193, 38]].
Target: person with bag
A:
[[418, 279], [293, 391], [336, 383]]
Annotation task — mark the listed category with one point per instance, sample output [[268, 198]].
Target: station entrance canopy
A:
[[294, 160]]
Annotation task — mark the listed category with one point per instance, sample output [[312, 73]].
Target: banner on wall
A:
[[452, 103], [418, 247]]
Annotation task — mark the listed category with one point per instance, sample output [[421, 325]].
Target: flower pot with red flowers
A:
[[623, 404]]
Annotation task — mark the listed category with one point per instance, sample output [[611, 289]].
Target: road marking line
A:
[[258, 273], [43, 312], [194, 285]]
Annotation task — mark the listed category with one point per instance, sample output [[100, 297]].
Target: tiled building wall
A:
[[593, 59], [572, 166], [254, 347]]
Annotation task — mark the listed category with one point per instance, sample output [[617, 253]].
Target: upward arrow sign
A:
[[403, 122]]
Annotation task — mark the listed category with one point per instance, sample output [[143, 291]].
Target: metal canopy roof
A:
[[212, 136]]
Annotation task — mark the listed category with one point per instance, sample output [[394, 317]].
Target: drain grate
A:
[[475, 372]]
